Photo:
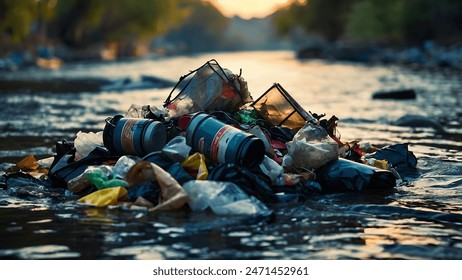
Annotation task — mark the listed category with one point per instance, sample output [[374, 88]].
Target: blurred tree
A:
[[405, 21], [374, 20], [81, 22], [432, 19], [326, 17], [17, 17]]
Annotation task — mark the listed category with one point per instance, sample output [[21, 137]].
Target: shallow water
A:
[[421, 219]]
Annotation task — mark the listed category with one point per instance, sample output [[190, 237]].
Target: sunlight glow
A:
[[248, 8]]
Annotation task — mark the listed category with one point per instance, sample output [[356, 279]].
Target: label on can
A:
[[128, 135], [220, 142]]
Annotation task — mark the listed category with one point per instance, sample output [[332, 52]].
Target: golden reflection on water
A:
[[96, 215], [391, 233]]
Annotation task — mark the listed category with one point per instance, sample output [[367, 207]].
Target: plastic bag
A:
[[172, 195], [399, 156], [102, 181], [104, 197], [311, 147], [145, 111], [257, 131], [224, 198], [86, 142], [211, 88], [252, 181], [177, 149], [345, 175], [196, 166], [66, 169], [122, 166], [271, 168]]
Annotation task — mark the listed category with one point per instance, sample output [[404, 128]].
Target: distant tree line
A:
[[397, 21], [196, 25], [81, 24]]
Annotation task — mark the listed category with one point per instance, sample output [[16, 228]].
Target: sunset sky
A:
[[248, 8]]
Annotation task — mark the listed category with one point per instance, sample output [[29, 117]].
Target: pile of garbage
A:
[[213, 147]]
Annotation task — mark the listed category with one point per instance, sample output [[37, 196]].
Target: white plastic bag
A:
[[177, 149], [271, 168], [86, 142], [311, 148], [224, 198]]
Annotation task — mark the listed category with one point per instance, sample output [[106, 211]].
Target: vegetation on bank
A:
[[407, 22], [128, 28], [82, 24]]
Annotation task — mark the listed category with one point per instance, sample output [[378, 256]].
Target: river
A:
[[421, 219]]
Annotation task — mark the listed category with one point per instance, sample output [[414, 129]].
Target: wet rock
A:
[[53, 85], [395, 94], [85, 84], [417, 121], [146, 82]]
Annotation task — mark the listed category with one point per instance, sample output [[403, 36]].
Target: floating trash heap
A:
[[211, 147]]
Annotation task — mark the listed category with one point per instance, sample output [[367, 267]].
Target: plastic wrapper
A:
[[179, 173], [196, 166], [86, 142], [311, 148], [148, 190], [102, 181], [271, 168], [104, 197], [172, 195], [252, 181], [257, 131], [29, 165], [224, 198], [399, 156], [123, 164], [66, 169], [345, 176], [177, 149], [212, 88], [145, 111]]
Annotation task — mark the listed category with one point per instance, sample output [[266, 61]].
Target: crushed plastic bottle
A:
[[224, 198]]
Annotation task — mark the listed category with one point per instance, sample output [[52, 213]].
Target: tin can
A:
[[132, 136], [223, 143]]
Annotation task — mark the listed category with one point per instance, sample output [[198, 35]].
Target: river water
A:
[[421, 219]]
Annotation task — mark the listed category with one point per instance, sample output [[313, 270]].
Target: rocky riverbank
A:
[[428, 55]]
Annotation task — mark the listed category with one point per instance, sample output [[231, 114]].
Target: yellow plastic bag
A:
[[195, 166], [104, 197]]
